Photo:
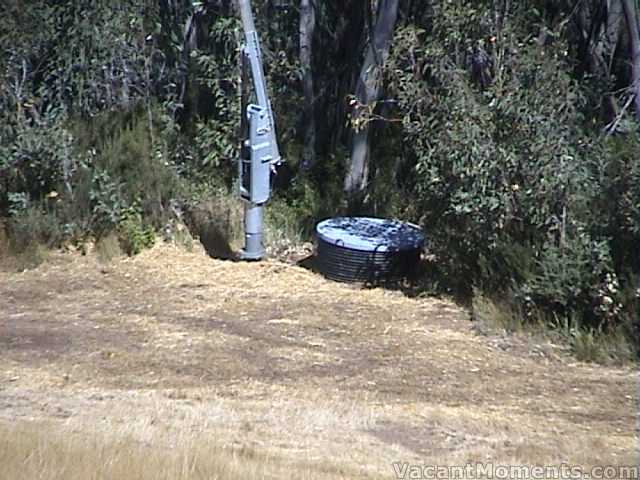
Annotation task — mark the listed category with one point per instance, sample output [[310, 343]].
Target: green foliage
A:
[[616, 166], [36, 158], [90, 55], [122, 145], [586, 346], [134, 235], [577, 278], [504, 313], [107, 203], [505, 168], [216, 131]]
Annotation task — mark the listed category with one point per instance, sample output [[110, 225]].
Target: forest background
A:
[[509, 130]]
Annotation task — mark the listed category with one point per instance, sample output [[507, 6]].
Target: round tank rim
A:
[[401, 236]]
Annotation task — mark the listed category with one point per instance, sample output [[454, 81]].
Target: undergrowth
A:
[[614, 346]]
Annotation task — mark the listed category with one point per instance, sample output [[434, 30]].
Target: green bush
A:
[[133, 233], [36, 158], [509, 176], [126, 161], [107, 202]]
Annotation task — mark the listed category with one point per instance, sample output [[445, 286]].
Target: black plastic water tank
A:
[[368, 250]]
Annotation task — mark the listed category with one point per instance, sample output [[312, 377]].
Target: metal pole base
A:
[[253, 247]]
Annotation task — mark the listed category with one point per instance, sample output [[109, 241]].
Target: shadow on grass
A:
[[216, 244], [426, 278]]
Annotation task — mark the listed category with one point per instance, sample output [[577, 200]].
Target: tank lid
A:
[[370, 234]]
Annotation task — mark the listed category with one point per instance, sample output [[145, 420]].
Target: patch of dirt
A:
[[273, 356]]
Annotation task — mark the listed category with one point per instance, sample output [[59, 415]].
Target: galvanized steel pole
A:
[[260, 146]]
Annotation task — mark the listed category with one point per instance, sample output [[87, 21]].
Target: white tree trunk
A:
[[307, 29], [368, 92]]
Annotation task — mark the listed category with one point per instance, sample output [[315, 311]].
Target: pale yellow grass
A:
[[48, 452], [189, 365]]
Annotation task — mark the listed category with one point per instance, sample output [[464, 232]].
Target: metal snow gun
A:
[[259, 153]]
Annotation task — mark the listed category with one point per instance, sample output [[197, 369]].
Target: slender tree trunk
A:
[[599, 23], [631, 15], [307, 29], [612, 31], [189, 43], [368, 92], [607, 52], [350, 29]]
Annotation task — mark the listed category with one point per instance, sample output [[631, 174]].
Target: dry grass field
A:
[[170, 365]]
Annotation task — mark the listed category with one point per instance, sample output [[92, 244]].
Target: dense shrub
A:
[[516, 194], [36, 159]]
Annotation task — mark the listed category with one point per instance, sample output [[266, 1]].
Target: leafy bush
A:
[[134, 235], [36, 158], [127, 162], [508, 174], [101, 147], [216, 130], [107, 202]]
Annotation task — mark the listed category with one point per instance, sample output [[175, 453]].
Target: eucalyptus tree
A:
[[307, 31], [369, 88]]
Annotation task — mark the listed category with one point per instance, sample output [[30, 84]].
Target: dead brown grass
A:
[[46, 452], [108, 248], [171, 349]]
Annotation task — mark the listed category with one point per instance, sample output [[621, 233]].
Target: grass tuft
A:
[[108, 248], [30, 451], [586, 344]]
